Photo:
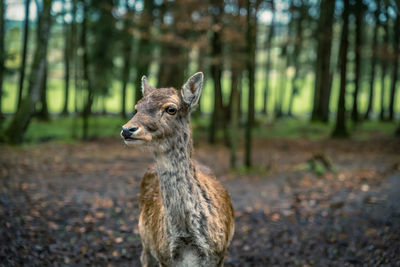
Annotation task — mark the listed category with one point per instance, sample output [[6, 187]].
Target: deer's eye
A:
[[171, 110]]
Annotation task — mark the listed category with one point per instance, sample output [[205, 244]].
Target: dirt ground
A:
[[75, 204]]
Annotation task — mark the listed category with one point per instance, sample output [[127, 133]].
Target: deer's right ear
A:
[[146, 87], [191, 90]]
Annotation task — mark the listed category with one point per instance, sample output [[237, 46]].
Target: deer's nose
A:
[[127, 132]]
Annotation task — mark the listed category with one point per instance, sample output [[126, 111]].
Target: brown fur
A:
[[186, 216]]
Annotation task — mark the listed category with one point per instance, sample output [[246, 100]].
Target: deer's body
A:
[[186, 216]]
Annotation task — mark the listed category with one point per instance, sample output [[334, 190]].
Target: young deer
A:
[[186, 215]]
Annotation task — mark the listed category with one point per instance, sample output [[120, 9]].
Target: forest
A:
[[299, 118]]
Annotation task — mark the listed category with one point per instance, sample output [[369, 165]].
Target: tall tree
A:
[[23, 54], [20, 121], [298, 42], [86, 75], [144, 52], [359, 14], [323, 75], [2, 50], [340, 129], [216, 68], [268, 48], [127, 45], [67, 57], [374, 48], [384, 60], [251, 38], [395, 68]]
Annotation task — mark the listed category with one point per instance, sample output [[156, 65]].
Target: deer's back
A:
[[220, 218]]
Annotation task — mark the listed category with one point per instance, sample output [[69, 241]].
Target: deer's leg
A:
[[147, 259]]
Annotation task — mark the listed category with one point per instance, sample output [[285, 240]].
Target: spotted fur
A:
[[186, 216]]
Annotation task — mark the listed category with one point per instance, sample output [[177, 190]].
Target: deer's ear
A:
[[191, 90], [146, 87]]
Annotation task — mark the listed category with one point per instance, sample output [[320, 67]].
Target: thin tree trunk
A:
[[43, 113], [385, 52], [23, 54], [216, 73], [127, 53], [395, 68], [20, 121], [85, 65], [67, 56], [374, 48], [234, 129], [251, 50], [2, 50], [340, 129], [357, 47], [268, 46], [323, 79], [144, 52]]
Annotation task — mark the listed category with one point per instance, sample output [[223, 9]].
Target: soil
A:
[[308, 203]]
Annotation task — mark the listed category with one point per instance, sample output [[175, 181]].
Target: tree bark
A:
[[395, 69], [358, 47], [20, 121], [323, 79], [340, 129], [23, 54], [374, 47]]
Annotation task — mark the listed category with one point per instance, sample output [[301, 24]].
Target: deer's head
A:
[[162, 113]]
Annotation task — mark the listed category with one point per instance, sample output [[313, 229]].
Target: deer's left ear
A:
[[191, 90], [146, 87]]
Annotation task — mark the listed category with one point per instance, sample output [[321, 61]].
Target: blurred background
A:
[[298, 118], [320, 61]]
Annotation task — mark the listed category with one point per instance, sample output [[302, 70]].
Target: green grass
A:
[[69, 129]]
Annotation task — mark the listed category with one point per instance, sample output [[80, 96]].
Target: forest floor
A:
[[310, 202]]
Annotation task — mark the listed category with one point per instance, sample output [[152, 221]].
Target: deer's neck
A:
[[182, 195]]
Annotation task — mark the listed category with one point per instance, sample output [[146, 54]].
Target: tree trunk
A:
[[216, 72], [144, 52], [268, 46], [385, 44], [323, 79], [2, 51], [395, 68], [251, 38], [127, 54], [374, 48], [67, 56], [296, 54], [340, 129], [87, 109], [23, 54], [20, 121], [234, 129], [358, 47], [43, 113]]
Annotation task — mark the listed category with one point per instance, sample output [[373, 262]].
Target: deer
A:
[[186, 216]]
